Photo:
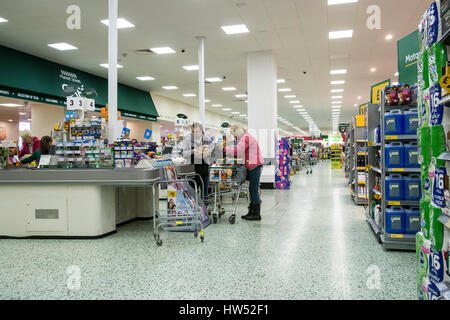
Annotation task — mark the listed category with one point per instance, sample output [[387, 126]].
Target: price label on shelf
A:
[[397, 236], [377, 196], [391, 137], [369, 167], [394, 203], [398, 170], [370, 143]]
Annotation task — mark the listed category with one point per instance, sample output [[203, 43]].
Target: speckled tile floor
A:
[[313, 243]]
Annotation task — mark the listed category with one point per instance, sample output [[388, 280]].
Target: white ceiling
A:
[[297, 30]]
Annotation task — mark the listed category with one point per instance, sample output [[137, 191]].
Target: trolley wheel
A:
[[232, 219], [159, 242], [202, 238], [310, 172], [195, 234], [215, 219]]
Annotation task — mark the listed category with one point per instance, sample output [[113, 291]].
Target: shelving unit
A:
[[358, 160], [336, 158], [394, 241]]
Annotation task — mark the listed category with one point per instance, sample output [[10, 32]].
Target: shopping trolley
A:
[[305, 161], [224, 179], [173, 220]]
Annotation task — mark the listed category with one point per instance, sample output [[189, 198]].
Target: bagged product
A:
[[437, 266], [428, 185], [436, 229], [424, 145], [426, 70], [438, 143], [437, 59], [438, 199], [434, 27], [425, 218], [436, 108], [425, 109], [422, 28]]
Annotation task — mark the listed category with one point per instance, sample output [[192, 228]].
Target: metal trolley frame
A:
[[235, 188], [306, 161], [172, 221]]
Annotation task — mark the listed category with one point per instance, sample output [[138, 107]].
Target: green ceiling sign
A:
[[38, 79], [407, 53]]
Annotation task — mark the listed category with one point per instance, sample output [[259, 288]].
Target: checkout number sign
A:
[[80, 103]]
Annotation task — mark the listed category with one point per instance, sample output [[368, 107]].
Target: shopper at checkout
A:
[[196, 148], [44, 149], [30, 143], [247, 148]]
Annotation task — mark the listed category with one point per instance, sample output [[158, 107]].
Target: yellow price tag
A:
[[377, 196], [369, 167], [370, 143], [179, 222], [172, 194], [391, 137], [394, 203], [398, 170], [397, 236], [445, 82]]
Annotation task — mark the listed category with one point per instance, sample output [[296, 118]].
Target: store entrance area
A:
[[312, 243]]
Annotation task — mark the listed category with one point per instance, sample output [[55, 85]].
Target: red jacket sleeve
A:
[[36, 144], [24, 150]]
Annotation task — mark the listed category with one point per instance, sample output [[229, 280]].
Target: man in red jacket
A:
[[30, 143]]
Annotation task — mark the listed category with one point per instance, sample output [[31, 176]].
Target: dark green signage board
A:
[[41, 80], [407, 53]]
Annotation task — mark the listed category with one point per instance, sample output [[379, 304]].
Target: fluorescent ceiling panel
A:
[[170, 87], [336, 2], [342, 71], [189, 95], [235, 29], [229, 89], [145, 78], [163, 50], [335, 82], [215, 79], [62, 46], [340, 34], [191, 68], [121, 23], [105, 65], [2, 20]]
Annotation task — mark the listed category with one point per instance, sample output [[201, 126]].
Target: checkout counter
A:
[[76, 203]]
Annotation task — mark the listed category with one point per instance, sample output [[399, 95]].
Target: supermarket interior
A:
[[173, 150]]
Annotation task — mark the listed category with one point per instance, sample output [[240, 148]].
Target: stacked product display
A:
[[284, 165], [432, 241], [84, 154]]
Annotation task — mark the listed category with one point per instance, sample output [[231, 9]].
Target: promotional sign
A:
[[126, 133], [375, 92], [363, 109], [436, 109], [407, 54], [148, 134], [438, 188]]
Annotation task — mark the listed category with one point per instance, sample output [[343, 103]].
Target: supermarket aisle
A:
[[313, 243]]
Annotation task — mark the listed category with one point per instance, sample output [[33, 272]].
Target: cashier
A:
[[196, 149], [30, 143], [45, 144]]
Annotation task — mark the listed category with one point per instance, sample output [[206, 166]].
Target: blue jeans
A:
[[254, 176]]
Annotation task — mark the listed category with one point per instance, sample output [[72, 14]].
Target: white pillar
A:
[[263, 106], [112, 71], [201, 79]]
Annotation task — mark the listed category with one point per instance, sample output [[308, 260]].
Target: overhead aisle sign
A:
[[408, 52]]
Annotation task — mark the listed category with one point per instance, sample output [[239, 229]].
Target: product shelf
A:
[[445, 100], [401, 137], [376, 230], [406, 170], [445, 156]]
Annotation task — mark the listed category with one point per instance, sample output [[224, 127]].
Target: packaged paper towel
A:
[[436, 229], [422, 28], [437, 266], [436, 108], [434, 27]]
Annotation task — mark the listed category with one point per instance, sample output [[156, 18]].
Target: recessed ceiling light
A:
[[235, 29], [10, 120], [241, 96], [284, 90], [298, 106], [170, 87], [163, 50], [3, 20], [121, 23], [355, 105], [215, 79], [22, 113], [62, 46], [216, 105], [336, 97], [281, 81], [105, 65], [335, 82], [373, 69], [359, 98], [340, 34], [227, 109], [337, 90], [229, 89], [335, 2], [336, 102], [191, 68], [10, 105], [389, 37], [189, 95], [294, 102], [342, 71], [145, 78]]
